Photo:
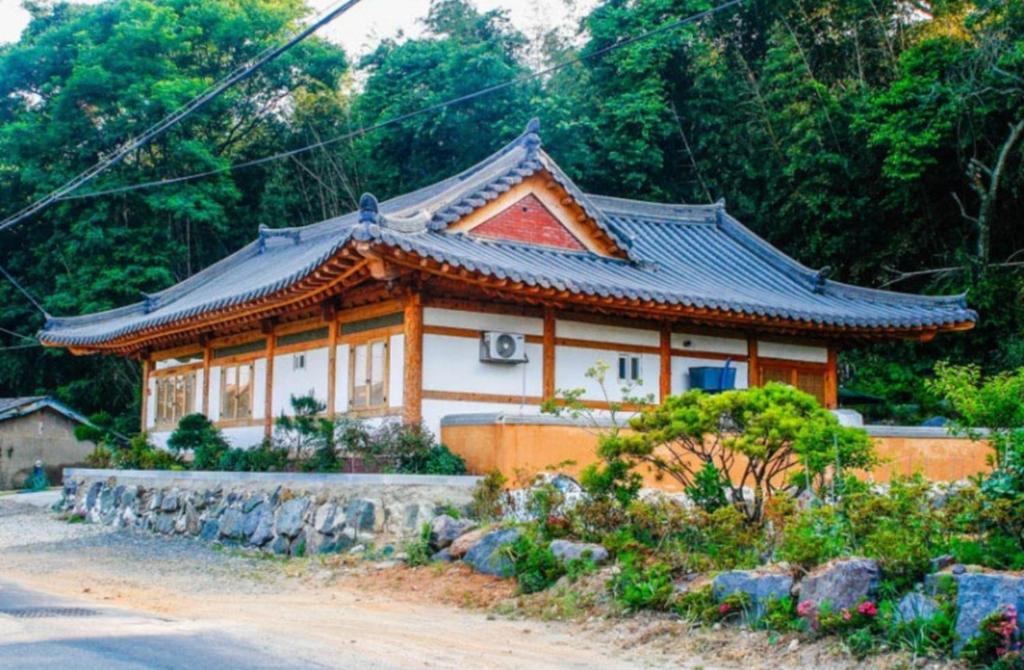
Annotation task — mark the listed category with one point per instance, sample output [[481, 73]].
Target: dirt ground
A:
[[338, 611]]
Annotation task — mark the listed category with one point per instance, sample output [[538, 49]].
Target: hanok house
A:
[[37, 428], [486, 292]]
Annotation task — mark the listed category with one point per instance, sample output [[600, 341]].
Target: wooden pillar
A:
[[665, 366], [147, 368], [332, 366], [268, 400], [832, 379], [412, 369], [548, 368], [753, 363], [207, 359]]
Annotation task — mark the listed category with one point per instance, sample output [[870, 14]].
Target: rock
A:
[[978, 594], [164, 523], [487, 557], [358, 549], [323, 519], [188, 521], [442, 556], [413, 516], [941, 562], [363, 514], [170, 501], [288, 520], [300, 547], [761, 586], [842, 583], [916, 606], [264, 530], [92, 494], [280, 545], [253, 515], [566, 551], [210, 531], [251, 503], [465, 542], [232, 524], [445, 529]]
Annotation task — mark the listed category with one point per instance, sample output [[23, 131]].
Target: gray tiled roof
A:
[[688, 255], [11, 408]]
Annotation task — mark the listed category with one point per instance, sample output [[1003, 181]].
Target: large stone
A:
[[978, 594], [488, 556], [170, 501], [445, 529], [264, 530], [253, 516], [464, 543], [280, 545], [413, 516], [323, 520], [566, 551], [364, 514], [760, 585], [210, 531], [842, 583], [288, 520], [164, 523], [92, 494], [232, 524], [916, 606]]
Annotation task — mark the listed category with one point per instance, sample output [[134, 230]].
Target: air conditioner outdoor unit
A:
[[498, 347]]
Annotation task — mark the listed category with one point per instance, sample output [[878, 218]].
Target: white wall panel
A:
[[721, 345], [341, 380], [151, 403], [214, 393], [579, 330], [453, 364], [793, 352], [434, 316], [290, 382], [572, 363], [396, 371], [259, 394], [244, 436]]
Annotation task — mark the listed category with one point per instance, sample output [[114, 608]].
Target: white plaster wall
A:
[[289, 382], [159, 439], [793, 352], [396, 371], [197, 393], [433, 316], [259, 394], [681, 371], [453, 364], [341, 379], [244, 436], [572, 363], [151, 403], [721, 345], [579, 330], [214, 408]]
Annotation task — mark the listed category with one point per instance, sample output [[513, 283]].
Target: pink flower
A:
[[846, 615], [724, 608], [867, 608], [805, 608]]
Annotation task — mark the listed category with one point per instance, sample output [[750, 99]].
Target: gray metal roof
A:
[[687, 255], [12, 408]]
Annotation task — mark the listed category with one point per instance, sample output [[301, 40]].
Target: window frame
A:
[[633, 363], [180, 389], [366, 389], [232, 400]]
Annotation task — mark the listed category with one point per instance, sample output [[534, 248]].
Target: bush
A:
[[265, 458], [197, 435], [141, 455], [641, 586], [815, 536], [488, 497], [418, 551], [707, 491], [307, 436], [536, 567]]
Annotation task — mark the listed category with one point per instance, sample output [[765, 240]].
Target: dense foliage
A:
[[882, 139]]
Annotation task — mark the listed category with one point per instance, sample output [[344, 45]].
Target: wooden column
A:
[[268, 400], [332, 365], [412, 369], [548, 369], [665, 369], [207, 358], [147, 368], [832, 379], [753, 364]]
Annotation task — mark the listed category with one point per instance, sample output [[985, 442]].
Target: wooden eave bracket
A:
[[380, 268]]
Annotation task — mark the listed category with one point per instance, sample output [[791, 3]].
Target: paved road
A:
[[39, 631]]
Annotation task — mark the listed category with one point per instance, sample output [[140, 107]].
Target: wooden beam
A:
[[548, 375], [268, 400], [332, 367], [832, 379], [753, 363], [207, 358], [412, 402], [147, 368], [665, 369]]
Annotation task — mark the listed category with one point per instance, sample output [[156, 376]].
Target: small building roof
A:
[[12, 408], [681, 258]]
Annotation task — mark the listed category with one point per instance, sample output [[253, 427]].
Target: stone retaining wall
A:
[[284, 513]]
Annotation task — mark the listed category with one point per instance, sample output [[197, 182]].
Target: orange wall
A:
[[520, 450]]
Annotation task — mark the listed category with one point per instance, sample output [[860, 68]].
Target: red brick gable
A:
[[529, 221]]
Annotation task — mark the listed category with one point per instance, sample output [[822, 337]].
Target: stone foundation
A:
[[283, 513]]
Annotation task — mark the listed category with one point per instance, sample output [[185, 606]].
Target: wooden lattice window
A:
[[236, 390], [368, 374], [175, 397]]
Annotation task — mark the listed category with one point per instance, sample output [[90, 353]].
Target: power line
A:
[[24, 292], [16, 334], [167, 122], [21, 346], [575, 60]]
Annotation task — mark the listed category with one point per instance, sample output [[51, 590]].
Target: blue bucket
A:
[[712, 379]]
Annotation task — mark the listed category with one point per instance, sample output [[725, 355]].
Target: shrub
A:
[[641, 586], [488, 497], [141, 455], [307, 436], [815, 536], [707, 491], [535, 566], [701, 606], [782, 433], [395, 447], [997, 644], [264, 458], [418, 551], [196, 434]]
